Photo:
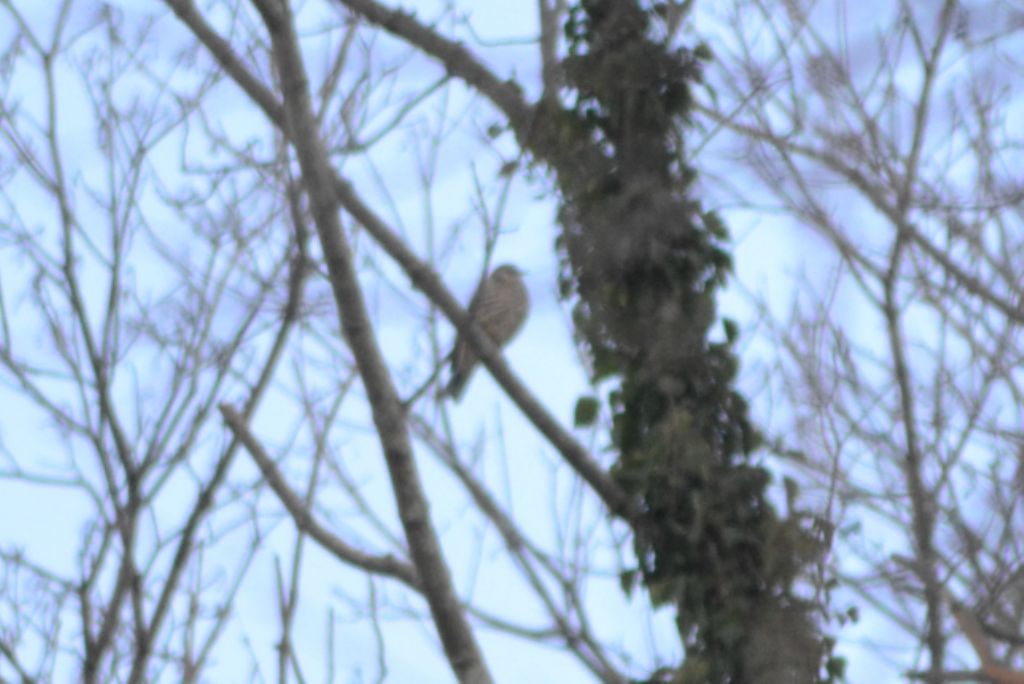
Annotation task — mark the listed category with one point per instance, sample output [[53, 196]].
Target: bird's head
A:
[[507, 272]]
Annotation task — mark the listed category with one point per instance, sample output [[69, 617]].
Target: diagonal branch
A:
[[386, 565], [459, 61], [424, 279], [389, 417]]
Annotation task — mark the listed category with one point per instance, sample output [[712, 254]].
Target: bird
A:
[[499, 307]]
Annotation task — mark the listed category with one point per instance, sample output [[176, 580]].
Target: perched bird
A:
[[499, 307]]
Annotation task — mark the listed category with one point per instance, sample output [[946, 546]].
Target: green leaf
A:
[[732, 330], [627, 580], [836, 668], [605, 364], [586, 411], [714, 224]]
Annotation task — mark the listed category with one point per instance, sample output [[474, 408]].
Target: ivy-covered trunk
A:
[[644, 261]]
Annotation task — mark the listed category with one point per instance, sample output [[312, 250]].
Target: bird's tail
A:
[[456, 385]]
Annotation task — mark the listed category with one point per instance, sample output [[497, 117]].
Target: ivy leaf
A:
[[605, 364], [586, 411], [627, 580], [732, 330]]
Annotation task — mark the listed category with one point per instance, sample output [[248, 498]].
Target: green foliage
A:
[[643, 262], [732, 331], [586, 411]]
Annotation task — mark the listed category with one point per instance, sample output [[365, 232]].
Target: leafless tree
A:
[[889, 135], [222, 320]]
